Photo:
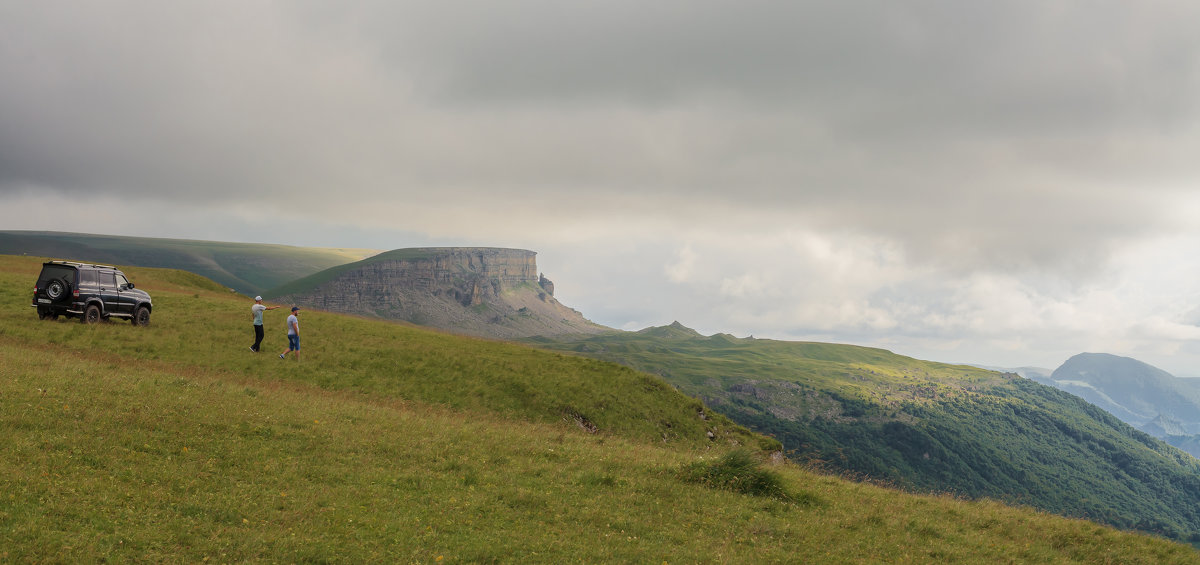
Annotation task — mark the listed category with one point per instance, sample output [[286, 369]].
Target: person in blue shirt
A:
[[293, 329]]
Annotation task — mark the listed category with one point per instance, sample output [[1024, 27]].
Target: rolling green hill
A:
[[925, 426], [248, 268], [387, 443]]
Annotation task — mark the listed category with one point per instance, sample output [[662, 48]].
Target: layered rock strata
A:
[[490, 292]]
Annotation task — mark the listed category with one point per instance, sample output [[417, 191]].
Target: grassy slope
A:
[[926, 426], [250, 268], [389, 444], [380, 359]]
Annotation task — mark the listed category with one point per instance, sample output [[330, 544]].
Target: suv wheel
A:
[[91, 315], [57, 289], [141, 317]]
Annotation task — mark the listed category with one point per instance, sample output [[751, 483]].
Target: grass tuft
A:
[[739, 471]]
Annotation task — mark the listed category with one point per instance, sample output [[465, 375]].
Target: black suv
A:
[[92, 292]]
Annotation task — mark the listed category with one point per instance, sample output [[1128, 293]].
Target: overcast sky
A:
[[1003, 183]]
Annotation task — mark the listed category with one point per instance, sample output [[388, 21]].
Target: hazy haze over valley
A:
[[1004, 184]]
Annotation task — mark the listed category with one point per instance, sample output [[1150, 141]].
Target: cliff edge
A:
[[480, 291]]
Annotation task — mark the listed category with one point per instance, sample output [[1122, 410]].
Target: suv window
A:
[[51, 272], [108, 279], [122, 282], [87, 277]]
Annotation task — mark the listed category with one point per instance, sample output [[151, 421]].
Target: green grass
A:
[[174, 444]]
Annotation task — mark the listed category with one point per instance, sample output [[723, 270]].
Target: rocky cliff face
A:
[[488, 292]]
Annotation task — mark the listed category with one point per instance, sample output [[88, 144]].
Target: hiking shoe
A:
[[253, 350], [281, 356]]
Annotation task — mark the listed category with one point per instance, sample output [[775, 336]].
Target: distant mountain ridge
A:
[[1144, 396], [1144, 391], [481, 291]]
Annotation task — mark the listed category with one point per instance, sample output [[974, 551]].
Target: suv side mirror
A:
[[130, 285]]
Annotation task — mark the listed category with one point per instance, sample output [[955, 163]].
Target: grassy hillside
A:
[[926, 426], [342, 352], [249, 268], [174, 443]]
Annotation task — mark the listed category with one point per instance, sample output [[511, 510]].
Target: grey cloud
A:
[[184, 100], [1008, 64]]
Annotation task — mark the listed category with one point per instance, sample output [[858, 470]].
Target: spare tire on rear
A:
[[58, 289]]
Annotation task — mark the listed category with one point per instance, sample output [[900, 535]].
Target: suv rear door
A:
[[65, 275]]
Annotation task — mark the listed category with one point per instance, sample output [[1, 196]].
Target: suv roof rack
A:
[[78, 264]]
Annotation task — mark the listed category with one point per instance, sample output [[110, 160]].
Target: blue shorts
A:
[[293, 342]]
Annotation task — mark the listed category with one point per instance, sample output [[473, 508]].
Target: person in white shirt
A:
[[293, 329], [257, 310]]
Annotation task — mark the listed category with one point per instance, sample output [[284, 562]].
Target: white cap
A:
[[258, 299]]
